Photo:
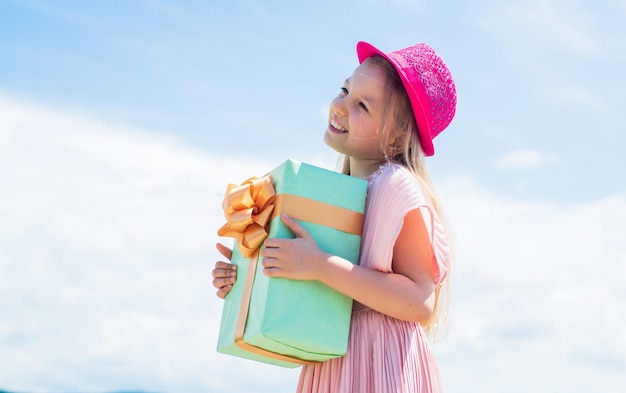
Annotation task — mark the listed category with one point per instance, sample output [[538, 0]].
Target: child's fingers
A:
[[223, 291], [295, 227], [223, 269], [224, 281], [225, 251], [224, 275]]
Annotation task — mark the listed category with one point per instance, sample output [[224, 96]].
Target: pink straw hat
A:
[[427, 82]]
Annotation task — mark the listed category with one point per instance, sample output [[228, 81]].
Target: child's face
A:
[[355, 116]]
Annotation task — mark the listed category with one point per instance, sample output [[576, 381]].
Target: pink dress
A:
[[385, 354]]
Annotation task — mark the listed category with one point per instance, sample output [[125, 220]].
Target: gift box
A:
[[276, 320]]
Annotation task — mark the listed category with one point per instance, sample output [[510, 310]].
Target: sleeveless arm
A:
[[408, 196]]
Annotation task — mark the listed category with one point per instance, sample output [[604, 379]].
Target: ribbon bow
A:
[[248, 210]]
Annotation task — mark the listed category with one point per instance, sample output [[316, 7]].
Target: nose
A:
[[337, 106]]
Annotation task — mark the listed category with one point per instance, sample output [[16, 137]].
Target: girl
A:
[[383, 121]]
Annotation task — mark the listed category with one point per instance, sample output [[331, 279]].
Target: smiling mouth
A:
[[337, 127]]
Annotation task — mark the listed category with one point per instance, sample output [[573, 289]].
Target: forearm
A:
[[389, 293]]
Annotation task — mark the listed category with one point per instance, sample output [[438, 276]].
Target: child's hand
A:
[[297, 259], [224, 273]]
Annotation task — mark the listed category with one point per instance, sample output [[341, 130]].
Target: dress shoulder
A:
[[397, 191]]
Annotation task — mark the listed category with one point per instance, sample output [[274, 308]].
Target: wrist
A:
[[331, 267], [322, 267]]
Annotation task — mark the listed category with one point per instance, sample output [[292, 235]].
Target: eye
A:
[[343, 91]]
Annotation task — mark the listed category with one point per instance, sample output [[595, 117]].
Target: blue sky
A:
[[121, 124], [543, 79]]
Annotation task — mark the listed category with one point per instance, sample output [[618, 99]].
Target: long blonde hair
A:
[[398, 122]]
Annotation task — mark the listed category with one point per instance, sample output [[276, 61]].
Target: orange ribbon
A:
[[248, 210]]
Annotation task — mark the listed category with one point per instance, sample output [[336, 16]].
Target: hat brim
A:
[[364, 51]]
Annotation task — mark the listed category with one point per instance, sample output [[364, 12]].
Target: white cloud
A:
[[106, 247], [106, 244], [537, 294], [524, 159]]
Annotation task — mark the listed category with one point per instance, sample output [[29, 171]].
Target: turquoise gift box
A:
[[288, 322]]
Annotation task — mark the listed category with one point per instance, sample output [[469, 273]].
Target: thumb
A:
[[295, 227], [225, 251]]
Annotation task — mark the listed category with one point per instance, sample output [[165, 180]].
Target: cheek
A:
[[356, 127], [363, 128], [356, 123]]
